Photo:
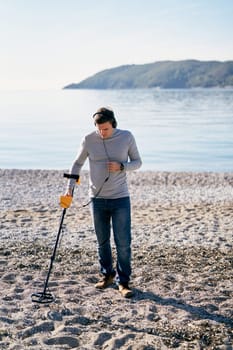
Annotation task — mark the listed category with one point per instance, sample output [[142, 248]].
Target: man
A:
[[111, 153]]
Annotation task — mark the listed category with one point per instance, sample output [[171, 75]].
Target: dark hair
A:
[[104, 115]]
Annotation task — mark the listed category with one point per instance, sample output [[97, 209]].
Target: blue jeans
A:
[[115, 213]]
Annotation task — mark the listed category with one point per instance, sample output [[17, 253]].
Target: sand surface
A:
[[182, 265]]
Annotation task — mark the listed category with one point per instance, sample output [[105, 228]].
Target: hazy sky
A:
[[46, 44]]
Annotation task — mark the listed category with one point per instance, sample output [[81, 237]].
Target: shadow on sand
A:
[[197, 311]]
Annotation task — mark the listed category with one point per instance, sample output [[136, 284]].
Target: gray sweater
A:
[[120, 147]]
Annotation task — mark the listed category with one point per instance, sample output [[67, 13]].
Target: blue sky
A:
[[46, 44]]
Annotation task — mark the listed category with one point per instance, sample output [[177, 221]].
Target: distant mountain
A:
[[164, 75]]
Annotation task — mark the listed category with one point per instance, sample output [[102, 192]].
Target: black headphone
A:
[[105, 115]]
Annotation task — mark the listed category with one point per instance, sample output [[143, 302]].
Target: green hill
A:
[[164, 74]]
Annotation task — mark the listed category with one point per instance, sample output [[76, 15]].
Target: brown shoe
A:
[[104, 282], [125, 291]]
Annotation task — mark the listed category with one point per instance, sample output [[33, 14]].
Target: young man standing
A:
[[111, 153]]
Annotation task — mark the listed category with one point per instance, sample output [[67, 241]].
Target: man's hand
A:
[[69, 193], [114, 166]]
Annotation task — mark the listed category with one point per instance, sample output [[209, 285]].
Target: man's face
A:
[[105, 130]]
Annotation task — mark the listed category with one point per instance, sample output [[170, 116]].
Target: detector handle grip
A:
[[66, 200], [72, 176]]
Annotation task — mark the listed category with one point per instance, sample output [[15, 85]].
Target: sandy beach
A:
[[182, 265]]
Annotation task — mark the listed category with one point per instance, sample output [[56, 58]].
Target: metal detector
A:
[[46, 297]]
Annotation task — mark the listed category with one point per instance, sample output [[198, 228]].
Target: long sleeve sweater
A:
[[120, 147]]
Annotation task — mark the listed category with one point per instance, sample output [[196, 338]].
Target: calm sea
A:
[[176, 130]]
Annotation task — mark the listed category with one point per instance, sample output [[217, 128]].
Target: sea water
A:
[[175, 130]]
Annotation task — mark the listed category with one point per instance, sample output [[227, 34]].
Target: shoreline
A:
[[182, 265]]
